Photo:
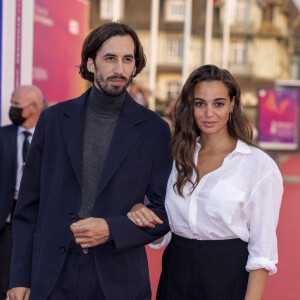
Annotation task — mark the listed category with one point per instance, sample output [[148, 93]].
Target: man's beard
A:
[[114, 90]]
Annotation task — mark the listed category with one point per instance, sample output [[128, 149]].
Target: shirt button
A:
[[62, 249], [71, 216]]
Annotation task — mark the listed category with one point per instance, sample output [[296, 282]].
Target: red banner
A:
[[59, 30]]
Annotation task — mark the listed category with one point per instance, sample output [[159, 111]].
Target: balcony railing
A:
[[241, 69], [243, 28]]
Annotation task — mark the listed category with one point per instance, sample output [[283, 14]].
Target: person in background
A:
[[223, 198], [45, 103], [91, 159], [26, 106], [169, 108], [138, 94]]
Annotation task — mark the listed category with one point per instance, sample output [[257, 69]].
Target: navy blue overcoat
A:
[[138, 164]]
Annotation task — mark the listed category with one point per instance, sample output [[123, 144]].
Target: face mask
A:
[[15, 114]]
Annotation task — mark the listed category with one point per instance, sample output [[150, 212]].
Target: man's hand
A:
[[90, 232], [19, 293], [143, 216]]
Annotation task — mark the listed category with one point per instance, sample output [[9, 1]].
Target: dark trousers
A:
[[203, 270], [78, 279], [5, 257]]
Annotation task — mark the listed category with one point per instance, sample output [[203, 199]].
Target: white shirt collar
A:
[[241, 146], [22, 129]]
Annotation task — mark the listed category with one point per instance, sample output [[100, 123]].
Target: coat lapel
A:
[[125, 136], [73, 128]]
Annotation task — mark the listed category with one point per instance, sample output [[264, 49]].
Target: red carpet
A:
[[285, 285], [154, 260]]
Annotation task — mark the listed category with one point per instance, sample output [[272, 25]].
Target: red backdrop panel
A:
[[59, 30]]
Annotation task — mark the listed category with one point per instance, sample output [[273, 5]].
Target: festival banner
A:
[[278, 119], [16, 49], [59, 31]]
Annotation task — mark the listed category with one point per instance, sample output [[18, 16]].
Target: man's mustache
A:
[[117, 77]]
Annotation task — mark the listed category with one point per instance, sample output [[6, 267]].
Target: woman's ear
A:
[[232, 103]]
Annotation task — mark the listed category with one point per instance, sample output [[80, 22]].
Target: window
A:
[[240, 52], [173, 89], [175, 50], [107, 9], [175, 10], [295, 67], [242, 11]]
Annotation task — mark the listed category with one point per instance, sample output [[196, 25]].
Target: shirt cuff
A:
[[255, 263], [166, 240]]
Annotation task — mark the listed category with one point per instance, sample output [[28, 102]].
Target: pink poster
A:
[[278, 119], [59, 30]]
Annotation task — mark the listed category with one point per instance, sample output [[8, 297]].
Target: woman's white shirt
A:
[[241, 199]]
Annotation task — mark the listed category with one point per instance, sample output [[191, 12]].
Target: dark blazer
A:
[[8, 170], [138, 163]]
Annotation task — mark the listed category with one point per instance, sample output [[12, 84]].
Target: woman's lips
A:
[[209, 123]]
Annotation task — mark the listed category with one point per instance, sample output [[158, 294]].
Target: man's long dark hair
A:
[[183, 142], [96, 38]]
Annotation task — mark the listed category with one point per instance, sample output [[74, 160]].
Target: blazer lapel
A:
[[13, 147], [73, 128], [125, 136]]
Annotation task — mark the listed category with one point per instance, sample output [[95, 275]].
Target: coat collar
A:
[[131, 109]]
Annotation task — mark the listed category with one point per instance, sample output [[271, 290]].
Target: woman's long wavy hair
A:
[[183, 142]]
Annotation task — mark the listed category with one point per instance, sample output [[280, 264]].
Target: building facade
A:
[[262, 46]]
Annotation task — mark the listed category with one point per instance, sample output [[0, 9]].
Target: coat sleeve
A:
[[26, 212], [125, 233]]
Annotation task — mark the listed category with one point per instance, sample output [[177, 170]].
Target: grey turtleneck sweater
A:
[[101, 115]]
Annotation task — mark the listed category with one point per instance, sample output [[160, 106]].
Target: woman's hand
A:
[[143, 216]]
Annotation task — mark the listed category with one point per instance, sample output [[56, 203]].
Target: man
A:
[[26, 105], [91, 160]]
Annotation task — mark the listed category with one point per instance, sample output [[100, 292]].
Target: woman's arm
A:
[[256, 284]]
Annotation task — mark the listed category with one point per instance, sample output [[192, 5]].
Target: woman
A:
[[223, 198]]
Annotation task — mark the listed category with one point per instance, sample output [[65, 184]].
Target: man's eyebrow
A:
[[109, 54], [114, 55], [216, 99]]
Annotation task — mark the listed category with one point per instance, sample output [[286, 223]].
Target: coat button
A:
[[71, 216], [62, 249]]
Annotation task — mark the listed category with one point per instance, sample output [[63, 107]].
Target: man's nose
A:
[[118, 68]]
